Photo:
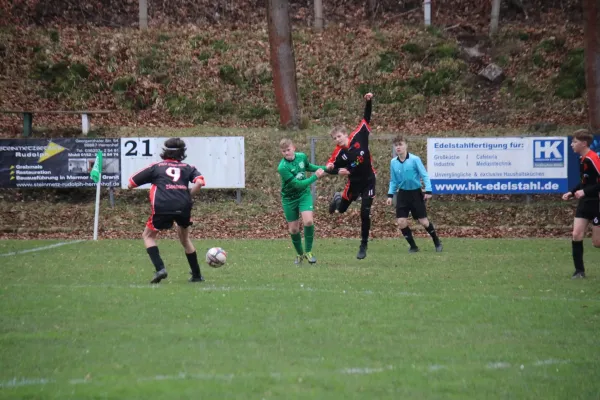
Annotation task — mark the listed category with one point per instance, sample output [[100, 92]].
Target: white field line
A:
[[184, 375], [498, 365], [365, 371], [550, 362], [436, 367], [24, 382], [14, 253], [300, 289], [18, 382]]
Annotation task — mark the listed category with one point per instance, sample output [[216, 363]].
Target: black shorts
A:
[[158, 222], [589, 209], [364, 189], [410, 201]]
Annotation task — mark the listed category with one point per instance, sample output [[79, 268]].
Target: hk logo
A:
[[548, 153]]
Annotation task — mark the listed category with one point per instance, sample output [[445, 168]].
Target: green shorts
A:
[[293, 208]]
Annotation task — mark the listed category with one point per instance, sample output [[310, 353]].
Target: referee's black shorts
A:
[[410, 201]]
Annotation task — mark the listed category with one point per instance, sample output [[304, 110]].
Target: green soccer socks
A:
[[309, 235], [297, 242]]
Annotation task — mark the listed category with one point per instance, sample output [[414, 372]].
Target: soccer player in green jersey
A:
[[297, 199]]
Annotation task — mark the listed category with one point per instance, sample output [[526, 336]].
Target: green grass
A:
[[491, 319]]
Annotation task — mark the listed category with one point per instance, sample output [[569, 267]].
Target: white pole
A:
[[427, 11], [143, 14], [318, 15], [97, 211], [85, 124], [495, 17]]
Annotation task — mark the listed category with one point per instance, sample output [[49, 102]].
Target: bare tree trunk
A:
[[318, 15], [495, 17], [370, 7], [283, 63], [591, 33], [143, 24]]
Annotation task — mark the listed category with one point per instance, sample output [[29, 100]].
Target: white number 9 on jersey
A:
[[174, 173]]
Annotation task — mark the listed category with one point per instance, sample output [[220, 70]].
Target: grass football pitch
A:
[[485, 319]]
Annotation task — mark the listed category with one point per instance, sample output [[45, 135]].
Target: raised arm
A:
[[368, 107]]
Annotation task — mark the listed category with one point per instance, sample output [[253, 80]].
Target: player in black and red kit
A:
[[352, 157], [587, 191], [171, 201]]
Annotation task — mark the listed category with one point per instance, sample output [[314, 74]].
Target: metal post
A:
[[495, 17], [313, 187], [27, 123], [427, 12], [111, 196], [85, 124], [318, 15], [143, 14], [97, 210], [238, 196]]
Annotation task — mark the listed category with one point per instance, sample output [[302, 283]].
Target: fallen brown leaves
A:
[[40, 219], [183, 62]]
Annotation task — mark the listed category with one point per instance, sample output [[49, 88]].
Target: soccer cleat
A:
[[196, 279], [362, 251], [159, 276], [311, 259], [415, 249], [335, 202], [578, 275], [298, 260], [439, 247]]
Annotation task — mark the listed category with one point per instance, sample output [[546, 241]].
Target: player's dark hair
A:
[[583, 135], [399, 139], [174, 149]]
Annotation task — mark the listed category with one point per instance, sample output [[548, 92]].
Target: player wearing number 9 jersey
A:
[[170, 201]]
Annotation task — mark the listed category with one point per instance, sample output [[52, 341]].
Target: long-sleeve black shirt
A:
[[589, 175], [356, 156]]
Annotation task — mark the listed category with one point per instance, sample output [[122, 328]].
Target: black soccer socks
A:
[[365, 219], [431, 230], [155, 258], [578, 255], [193, 261], [407, 233]]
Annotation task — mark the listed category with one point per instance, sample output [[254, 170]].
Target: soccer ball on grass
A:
[[216, 257]]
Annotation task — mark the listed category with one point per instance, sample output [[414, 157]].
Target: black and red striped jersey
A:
[[589, 175], [169, 193], [356, 157]]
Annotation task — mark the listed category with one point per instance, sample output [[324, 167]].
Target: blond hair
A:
[[285, 143], [338, 129]]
